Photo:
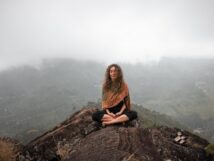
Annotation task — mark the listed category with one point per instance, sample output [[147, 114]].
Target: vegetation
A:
[[210, 149], [8, 150], [149, 118], [33, 100]]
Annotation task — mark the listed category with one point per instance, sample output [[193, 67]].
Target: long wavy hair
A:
[[108, 84]]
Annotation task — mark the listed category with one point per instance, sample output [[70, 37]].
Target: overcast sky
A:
[[105, 30]]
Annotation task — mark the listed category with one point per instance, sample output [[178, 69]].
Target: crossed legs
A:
[[108, 120]]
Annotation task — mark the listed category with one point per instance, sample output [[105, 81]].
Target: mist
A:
[[105, 31]]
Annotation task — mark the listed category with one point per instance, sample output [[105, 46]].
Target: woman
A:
[[115, 99]]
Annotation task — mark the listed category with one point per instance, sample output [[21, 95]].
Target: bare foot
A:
[[119, 119], [108, 122], [107, 118]]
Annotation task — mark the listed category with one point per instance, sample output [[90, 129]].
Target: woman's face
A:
[[113, 73]]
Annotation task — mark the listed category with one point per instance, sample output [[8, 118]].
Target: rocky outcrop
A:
[[80, 139]]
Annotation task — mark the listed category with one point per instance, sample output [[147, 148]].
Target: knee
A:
[[97, 116], [133, 115], [94, 116]]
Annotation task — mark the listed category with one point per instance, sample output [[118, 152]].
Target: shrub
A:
[[7, 152], [210, 149]]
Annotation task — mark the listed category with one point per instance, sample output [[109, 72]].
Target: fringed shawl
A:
[[111, 98]]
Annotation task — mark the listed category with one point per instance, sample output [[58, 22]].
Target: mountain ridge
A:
[[80, 138]]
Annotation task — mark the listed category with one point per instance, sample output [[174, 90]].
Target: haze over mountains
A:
[[35, 99]]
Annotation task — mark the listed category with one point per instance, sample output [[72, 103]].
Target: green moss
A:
[[210, 149]]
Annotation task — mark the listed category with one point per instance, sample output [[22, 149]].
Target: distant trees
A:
[[39, 98]]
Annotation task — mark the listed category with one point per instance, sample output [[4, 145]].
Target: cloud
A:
[[108, 31]]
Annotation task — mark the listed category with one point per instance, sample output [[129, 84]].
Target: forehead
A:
[[113, 68]]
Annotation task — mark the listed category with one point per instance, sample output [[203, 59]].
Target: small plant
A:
[[210, 149]]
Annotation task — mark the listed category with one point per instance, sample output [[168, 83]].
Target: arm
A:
[[110, 113], [128, 102], [121, 110], [127, 99]]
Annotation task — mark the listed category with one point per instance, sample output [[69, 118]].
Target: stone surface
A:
[[80, 139]]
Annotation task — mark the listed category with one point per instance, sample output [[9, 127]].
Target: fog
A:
[[105, 31]]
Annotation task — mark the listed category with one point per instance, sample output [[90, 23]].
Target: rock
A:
[[183, 137], [180, 139], [179, 133], [80, 139], [21, 158], [181, 142], [177, 139]]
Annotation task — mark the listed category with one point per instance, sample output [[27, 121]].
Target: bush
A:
[[7, 152], [210, 149]]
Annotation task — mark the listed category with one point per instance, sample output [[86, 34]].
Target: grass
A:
[[7, 151]]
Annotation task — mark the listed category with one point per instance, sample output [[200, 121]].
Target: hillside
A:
[[180, 88]]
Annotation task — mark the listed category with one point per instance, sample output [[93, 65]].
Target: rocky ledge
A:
[[80, 139]]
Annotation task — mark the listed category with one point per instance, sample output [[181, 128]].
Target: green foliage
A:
[[210, 149]]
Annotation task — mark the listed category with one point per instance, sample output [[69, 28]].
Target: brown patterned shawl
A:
[[112, 97]]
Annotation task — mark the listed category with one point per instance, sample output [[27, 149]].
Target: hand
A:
[[118, 113], [112, 114]]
